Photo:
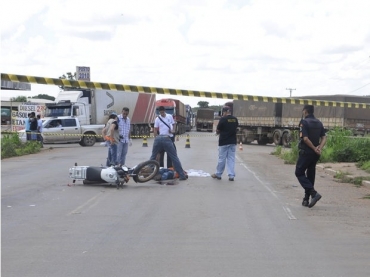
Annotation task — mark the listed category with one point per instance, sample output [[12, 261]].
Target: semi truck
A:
[[93, 107], [269, 122], [177, 109], [205, 119], [189, 118]]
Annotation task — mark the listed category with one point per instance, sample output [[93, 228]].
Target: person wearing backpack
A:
[[33, 126], [111, 136], [163, 130]]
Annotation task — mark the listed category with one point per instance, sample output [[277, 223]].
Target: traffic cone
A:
[[240, 146], [187, 145], [145, 143]]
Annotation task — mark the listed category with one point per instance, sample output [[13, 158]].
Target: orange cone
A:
[[240, 146]]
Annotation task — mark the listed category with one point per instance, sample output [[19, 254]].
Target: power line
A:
[[359, 88], [290, 91]]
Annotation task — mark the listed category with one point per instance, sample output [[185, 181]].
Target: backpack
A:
[[33, 124]]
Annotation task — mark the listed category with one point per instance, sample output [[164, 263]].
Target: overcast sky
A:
[[259, 47]]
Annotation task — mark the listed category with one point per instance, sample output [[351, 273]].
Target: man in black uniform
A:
[[312, 140]]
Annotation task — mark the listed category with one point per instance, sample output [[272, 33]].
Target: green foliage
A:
[[365, 166], [19, 99], [277, 151], [69, 76], [344, 147], [12, 146], [203, 104], [44, 96], [340, 146]]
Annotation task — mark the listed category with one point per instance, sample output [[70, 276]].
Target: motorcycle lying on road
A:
[[117, 175]]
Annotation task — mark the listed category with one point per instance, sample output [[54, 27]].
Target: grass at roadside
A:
[[12, 146], [341, 146], [365, 166], [345, 177]]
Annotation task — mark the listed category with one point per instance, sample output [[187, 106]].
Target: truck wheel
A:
[[142, 131], [263, 141], [147, 131], [136, 131], [246, 137], [286, 139], [88, 139], [277, 137]]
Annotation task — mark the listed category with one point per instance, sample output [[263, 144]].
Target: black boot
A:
[[305, 201], [315, 197], [306, 198]]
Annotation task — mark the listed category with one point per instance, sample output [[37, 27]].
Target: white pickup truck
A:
[[68, 129]]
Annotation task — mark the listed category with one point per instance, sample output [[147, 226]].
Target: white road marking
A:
[[287, 211]]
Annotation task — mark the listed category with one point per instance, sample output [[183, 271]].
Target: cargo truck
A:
[[269, 122], [93, 107], [177, 109], [189, 118], [204, 119]]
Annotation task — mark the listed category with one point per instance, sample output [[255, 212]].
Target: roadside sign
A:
[[82, 73]]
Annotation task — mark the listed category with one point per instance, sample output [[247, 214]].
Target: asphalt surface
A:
[[198, 227]]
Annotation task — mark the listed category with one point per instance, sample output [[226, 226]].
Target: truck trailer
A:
[[204, 119], [189, 118], [93, 107], [177, 109], [269, 122]]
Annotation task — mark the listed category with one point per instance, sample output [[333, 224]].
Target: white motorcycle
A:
[[117, 175]]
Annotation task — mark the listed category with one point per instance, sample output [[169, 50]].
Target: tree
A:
[[69, 76], [203, 104], [19, 99], [44, 96]]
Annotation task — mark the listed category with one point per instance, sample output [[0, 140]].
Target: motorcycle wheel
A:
[[145, 171]]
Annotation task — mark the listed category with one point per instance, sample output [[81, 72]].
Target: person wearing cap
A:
[[312, 139], [165, 124], [111, 136], [226, 129], [163, 130]]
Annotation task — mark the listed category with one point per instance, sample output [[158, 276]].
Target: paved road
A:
[[198, 227]]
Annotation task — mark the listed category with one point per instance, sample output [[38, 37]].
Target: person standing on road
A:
[[27, 126], [39, 130], [33, 126], [226, 129], [312, 140], [163, 129], [111, 136], [124, 126], [167, 119]]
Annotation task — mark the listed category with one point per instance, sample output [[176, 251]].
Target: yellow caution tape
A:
[[151, 136], [178, 92]]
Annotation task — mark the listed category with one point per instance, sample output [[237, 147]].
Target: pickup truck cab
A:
[[68, 129]]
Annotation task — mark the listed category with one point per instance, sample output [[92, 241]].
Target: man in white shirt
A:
[[163, 131], [124, 125], [171, 123]]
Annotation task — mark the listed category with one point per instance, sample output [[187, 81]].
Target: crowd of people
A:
[[33, 127], [312, 140], [117, 136]]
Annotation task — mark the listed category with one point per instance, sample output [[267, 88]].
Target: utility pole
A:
[[290, 91]]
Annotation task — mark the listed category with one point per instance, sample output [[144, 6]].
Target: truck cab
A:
[[70, 103]]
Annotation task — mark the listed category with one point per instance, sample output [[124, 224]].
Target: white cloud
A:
[[257, 47]]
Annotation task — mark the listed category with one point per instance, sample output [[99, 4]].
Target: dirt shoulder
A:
[[344, 207], [344, 170]]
